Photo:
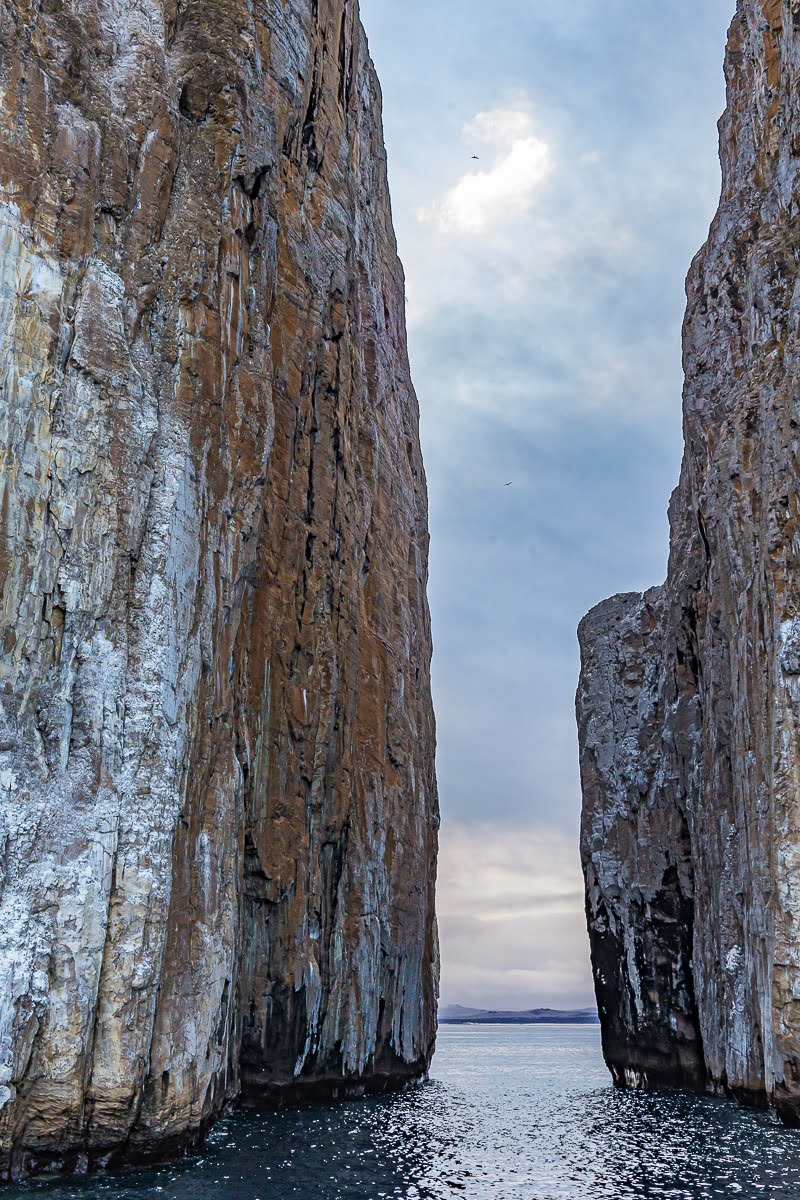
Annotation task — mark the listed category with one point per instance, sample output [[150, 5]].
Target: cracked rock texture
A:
[[689, 700], [218, 809]]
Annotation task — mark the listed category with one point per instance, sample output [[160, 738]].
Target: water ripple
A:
[[512, 1113]]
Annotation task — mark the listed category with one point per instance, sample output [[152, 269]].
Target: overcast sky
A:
[[545, 297]]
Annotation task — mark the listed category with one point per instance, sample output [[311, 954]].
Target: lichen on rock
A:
[[688, 701], [218, 808]]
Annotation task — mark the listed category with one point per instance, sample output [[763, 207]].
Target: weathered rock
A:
[[689, 703], [635, 843], [218, 816]]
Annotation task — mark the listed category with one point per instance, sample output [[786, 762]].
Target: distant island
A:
[[456, 1014]]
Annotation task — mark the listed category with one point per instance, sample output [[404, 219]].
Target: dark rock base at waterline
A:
[[135, 1154]]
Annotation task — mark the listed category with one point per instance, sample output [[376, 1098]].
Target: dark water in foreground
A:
[[513, 1113]]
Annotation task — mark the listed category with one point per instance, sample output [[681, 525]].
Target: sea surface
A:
[[511, 1113]]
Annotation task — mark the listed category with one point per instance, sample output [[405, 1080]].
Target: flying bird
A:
[[476, 158], [509, 484]]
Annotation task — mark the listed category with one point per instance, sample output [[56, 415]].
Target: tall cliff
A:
[[218, 808], [689, 700]]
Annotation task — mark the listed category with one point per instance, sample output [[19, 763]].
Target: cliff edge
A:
[[689, 700], [218, 807]]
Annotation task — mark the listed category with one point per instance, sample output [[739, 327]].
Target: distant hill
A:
[[456, 1014]]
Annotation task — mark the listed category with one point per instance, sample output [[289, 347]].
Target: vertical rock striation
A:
[[689, 701], [218, 810], [636, 848]]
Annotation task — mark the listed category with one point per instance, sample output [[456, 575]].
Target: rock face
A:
[[218, 809], [689, 701], [636, 848]]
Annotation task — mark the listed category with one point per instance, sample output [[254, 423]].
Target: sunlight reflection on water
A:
[[512, 1113]]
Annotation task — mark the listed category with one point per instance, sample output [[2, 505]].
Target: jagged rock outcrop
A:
[[636, 849], [689, 702], [218, 810]]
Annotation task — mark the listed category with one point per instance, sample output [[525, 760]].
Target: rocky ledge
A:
[[689, 700], [218, 808]]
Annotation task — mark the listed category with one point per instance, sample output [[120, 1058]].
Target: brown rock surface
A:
[[689, 703], [218, 810]]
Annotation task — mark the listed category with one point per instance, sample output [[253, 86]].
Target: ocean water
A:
[[511, 1113]]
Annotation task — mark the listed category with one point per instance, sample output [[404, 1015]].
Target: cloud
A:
[[480, 198], [546, 286], [511, 917]]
